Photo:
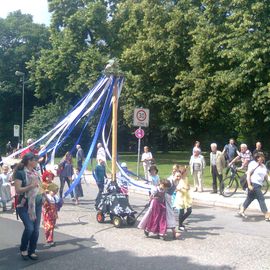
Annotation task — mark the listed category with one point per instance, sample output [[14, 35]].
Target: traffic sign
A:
[[16, 130], [141, 117], [139, 133]]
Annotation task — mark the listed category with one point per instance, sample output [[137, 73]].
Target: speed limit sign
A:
[[16, 130], [141, 117]]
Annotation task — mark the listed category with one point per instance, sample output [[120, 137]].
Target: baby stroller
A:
[[115, 205]]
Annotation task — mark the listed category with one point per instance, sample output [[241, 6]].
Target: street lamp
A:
[[21, 74]]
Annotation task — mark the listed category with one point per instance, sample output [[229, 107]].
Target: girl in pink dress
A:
[[154, 220]]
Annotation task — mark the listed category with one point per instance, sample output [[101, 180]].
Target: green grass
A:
[[164, 162]]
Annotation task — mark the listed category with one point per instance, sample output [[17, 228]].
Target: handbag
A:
[[60, 168], [243, 179]]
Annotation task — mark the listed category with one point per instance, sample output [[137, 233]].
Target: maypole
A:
[[114, 129], [113, 69]]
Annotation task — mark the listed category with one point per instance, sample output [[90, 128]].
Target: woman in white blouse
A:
[[197, 165]]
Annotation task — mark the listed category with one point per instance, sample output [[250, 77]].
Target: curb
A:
[[216, 204], [196, 201]]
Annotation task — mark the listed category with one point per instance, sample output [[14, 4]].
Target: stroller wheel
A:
[[131, 220], [100, 217], [117, 222]]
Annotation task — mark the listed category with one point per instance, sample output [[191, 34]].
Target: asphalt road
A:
[[216, 239]]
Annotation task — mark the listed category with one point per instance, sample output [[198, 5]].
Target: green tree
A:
[[20, 40], [79, 51], [226, 88], [152, 41], [201, 67], [43, 118], [155, 41]]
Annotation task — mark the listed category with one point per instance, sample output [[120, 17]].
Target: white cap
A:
[[124, 165], [99, 145], [30, 141]]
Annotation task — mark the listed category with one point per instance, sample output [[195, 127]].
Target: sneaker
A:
[[242, 214], [24, 255], [33, 256], [161, 237], [182, 228], [50, 244], [146, 233]]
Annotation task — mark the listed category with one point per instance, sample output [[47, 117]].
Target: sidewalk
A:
[[206, 198], [203, 198]]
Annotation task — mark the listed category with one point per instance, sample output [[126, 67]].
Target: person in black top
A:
[[258, 149]]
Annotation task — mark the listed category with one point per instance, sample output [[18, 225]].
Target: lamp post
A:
[[21, 74]]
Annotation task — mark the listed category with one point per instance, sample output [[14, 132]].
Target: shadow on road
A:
[[200, 232], [84, 253]]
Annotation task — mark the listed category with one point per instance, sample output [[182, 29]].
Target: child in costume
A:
[[5, 190], [183, 200], [51, 206], [154, 220], [153, 175], [169, 197], [78, 189]]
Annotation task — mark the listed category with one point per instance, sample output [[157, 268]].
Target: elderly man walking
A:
[[79, 157], [217, 164]]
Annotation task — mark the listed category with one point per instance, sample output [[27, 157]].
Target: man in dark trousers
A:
[[79, 157], [100, 175], [8, 149]]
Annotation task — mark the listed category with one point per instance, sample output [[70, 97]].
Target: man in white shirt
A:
[[146, 161]]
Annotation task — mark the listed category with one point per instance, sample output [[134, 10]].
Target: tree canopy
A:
[[20, 41], [201, 67]]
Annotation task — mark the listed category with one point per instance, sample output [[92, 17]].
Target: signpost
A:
[[140, 119], [139, 133]]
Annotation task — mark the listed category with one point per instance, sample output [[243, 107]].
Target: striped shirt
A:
[[245, 157]]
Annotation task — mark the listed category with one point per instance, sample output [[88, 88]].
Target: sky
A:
[[37, 8]]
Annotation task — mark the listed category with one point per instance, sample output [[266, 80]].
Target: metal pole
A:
[[114, 129], [23, 111], [138, 160]]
